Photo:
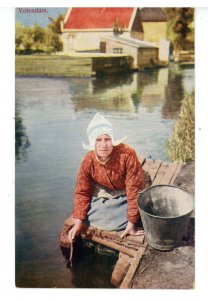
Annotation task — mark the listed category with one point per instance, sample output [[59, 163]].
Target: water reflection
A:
[[110, 93], [150, 86], [94, 271], [174, 90], [22, 142], [129, 92], [91, 259]]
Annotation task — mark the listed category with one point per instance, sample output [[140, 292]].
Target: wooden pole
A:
[[133, 267], [113, 245]]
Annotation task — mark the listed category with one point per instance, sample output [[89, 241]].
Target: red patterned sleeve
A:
[[134, 183], [83, 190]]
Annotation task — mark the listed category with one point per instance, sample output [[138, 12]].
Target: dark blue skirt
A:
[[108, 214]]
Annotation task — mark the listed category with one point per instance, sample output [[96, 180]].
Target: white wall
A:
[[84, 41], [164, 50]]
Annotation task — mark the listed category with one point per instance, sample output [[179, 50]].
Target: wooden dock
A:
[[161, 172], [130, 248]]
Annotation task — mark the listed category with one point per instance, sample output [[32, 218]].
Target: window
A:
[[117, 50]]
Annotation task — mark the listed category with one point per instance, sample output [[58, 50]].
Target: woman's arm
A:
[[75, 230], [132, 230], [134, 183], [83, 190]]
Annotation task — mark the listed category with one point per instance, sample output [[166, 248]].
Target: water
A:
[[51, 119]]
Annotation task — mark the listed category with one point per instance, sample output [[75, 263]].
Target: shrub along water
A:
[[181, 145]]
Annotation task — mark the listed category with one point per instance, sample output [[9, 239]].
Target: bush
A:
[[181, 145], [35, 39]]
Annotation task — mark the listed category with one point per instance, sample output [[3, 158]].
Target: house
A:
[[83, 27], [154, 24], [87, 29], [145, 55]]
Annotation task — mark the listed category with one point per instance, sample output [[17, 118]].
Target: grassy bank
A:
[[53, 65], [80, 64]]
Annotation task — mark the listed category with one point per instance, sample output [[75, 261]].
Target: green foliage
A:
[[181, 27], [52, 41], [55, 24], [35, 39], [181, 146]]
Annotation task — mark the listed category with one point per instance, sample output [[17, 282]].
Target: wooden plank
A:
[[133, 267], [137, 239], [112, 245], [165, 173], [152, 166], [169, 173], [127, 244], [177, 171], [146, 165], [121, 268], [160, 173], [128, 240], [115, 236]]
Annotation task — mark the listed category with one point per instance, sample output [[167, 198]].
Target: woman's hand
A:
[[131, 229], [75, 230]]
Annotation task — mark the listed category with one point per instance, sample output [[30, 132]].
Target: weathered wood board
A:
[[128, 244], [162, 172]]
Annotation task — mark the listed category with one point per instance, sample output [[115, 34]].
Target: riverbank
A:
[[79, 64]]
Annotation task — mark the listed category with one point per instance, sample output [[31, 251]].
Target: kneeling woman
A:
[[109, 180]]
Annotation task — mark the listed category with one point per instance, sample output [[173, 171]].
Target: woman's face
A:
[[103, 147]]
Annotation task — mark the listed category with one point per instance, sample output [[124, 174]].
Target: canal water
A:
[[52, 115]]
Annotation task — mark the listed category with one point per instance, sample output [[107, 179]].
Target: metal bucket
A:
[[165, 211]]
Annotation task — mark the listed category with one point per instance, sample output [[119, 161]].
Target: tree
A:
[[29, 39], [55, 24], [23, 39], [180, 27], [38, 34], [52, 42], [55, 28], [35, 39], [18, 34]]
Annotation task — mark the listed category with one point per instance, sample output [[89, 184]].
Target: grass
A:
[[52, 65], [78, 64]]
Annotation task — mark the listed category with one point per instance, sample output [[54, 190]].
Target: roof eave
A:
[[91, 30], [67, 14]]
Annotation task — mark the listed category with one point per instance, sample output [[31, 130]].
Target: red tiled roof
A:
[[98, 17]]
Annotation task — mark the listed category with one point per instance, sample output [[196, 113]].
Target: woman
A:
[[109, 180]]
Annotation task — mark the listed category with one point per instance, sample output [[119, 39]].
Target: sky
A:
[[29, 18]]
